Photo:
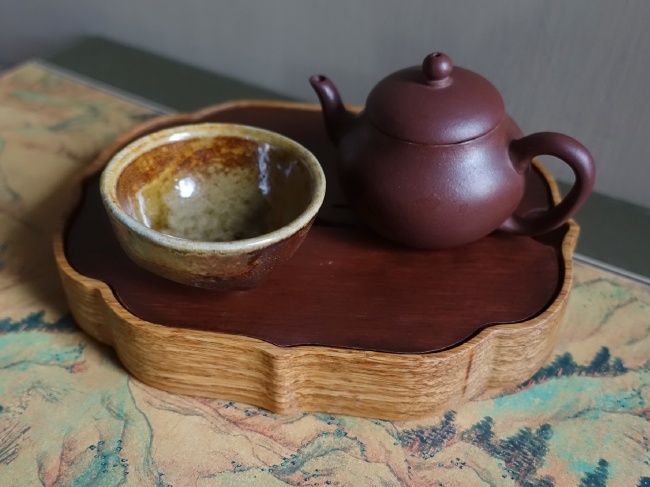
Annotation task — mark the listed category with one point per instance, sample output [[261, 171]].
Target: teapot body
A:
[[434, 161], [431, 196]]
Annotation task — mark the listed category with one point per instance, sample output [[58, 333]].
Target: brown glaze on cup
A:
[[212, 205]]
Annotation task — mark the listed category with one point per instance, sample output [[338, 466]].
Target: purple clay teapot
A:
[[434, 161]]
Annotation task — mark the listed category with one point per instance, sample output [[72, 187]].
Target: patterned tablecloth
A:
[[70, 414]]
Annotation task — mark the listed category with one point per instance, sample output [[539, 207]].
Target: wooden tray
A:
[[351, 324]]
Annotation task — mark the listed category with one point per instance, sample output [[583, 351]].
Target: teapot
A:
[[434, 161]]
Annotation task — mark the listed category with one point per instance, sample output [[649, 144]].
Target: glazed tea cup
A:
[[212, 205]]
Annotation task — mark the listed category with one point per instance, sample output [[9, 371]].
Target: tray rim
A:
[[99, 313]]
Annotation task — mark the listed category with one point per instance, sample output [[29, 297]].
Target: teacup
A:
[[212, 205]]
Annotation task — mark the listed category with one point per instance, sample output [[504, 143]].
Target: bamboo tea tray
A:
[[351, 324]]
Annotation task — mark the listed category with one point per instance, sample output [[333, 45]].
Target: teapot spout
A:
[[337, 118]]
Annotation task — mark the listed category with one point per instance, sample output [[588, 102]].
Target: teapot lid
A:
[[435, 103]]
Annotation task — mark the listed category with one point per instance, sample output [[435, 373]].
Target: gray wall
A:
[[581, 66]]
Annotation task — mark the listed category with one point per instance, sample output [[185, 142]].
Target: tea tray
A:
[[352, 324]]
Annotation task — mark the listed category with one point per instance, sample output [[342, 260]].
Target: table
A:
[[70, 415]]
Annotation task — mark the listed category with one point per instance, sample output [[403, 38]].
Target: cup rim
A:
[[125, 156]]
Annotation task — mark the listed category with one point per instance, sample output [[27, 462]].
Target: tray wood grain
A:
[[446, 342]]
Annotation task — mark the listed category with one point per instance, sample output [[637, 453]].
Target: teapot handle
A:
[[522, 152]]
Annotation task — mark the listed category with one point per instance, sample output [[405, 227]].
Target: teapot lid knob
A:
[[437, 68]]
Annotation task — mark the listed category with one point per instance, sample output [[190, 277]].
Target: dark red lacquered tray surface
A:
[[343, 287]]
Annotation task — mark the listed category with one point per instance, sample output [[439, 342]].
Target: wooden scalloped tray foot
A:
[[327, 332]]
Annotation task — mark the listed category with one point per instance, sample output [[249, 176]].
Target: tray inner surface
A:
[[343, 287]]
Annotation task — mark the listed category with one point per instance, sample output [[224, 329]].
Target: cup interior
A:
[[216, 188]]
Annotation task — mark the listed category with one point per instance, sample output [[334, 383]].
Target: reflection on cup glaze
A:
[[185, 187], [262, 164]]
